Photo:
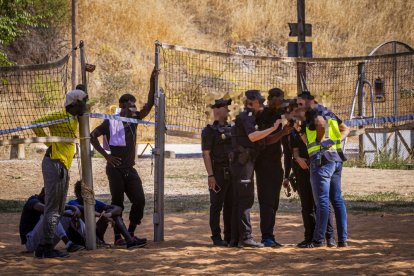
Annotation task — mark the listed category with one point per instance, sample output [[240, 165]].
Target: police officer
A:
[[296, 158], [268, 166], [324, 132], [216, 146], [246, 140]]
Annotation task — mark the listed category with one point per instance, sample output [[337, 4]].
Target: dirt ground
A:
[[381, 242]]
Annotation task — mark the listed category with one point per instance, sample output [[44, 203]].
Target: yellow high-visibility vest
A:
[[331, 132]]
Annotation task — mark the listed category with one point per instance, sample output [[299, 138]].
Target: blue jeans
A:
[[326, 186]]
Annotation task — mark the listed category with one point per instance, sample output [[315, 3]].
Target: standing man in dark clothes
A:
[[297, 159], [216, 146], [247, 140], [122, 176], [268, 167], [105, 213]]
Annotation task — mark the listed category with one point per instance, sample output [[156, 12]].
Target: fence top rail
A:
[[33, 67], [284, 59]]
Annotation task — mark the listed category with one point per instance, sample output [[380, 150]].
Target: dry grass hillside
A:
[[120, 35]]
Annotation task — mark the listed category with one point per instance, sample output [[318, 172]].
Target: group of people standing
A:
[[311, 136]]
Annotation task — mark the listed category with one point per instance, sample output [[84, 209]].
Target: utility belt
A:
[[224, 170]]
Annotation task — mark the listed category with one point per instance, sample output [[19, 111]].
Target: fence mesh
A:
[[30, 92]]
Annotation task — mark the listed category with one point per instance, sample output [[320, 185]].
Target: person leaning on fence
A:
[[247, 141], [324, 132], [55, 167], [296, 159], [268, 166], [123, 177], [31, 226], [106, 214], [216, 146]]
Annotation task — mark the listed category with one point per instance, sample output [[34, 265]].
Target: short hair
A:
[[78, 189], [126, 98], [81, 87], [276, 92]]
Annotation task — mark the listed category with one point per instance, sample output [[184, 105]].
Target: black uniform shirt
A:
[[217, 139], [245, 124], [265, 120]]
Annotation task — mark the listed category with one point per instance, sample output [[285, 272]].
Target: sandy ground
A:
[[381, 242], [379, 245]]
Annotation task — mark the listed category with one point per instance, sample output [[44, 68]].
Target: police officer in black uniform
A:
[[247, 140], [216, 146], [268, 166], [297, 159]]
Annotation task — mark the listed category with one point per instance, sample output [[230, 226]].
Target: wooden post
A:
[[301, 67], [74, 60], [17, 150], [361, 106]]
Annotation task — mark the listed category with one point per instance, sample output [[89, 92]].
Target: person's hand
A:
[[212, 183], [107, 214], [287, 130], [277, 123], [302, 163], [77, 213], [114, 161], [68, 213]]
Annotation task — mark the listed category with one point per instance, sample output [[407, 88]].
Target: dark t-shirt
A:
[[245, 124], [126, 153], [265, 120], [217, 139], [99, 205], [30, 217]]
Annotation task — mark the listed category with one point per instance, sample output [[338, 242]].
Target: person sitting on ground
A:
[[31, 225], [106, 214]]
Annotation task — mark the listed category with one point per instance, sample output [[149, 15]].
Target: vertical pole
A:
[[74, 59], [361, 105], [158, 217], [394, 85], [86, 161], [301, 67]]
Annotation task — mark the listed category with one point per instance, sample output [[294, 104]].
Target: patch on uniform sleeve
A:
[[250, 113], [256, 127]]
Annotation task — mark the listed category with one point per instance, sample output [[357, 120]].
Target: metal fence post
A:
[[86, 162], [361, 106], [158, 151], [394, 86], [301, 66]]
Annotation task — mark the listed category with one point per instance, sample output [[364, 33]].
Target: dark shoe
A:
[[136, 244], [342, 244], [219, 242], [139, 240], [102, 244], [331, 243], [306, 244], [233, 243], [120, 242], [48, 252], [271, 243], [73, 247], [318, 244], [252, 243]]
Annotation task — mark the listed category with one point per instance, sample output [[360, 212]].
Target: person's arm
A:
[[274, 138], [114, 161], [261, 134], [72, 211], [206, 144], [40, 207], [301, 161], [39, 131], [344, 129], [150, 98], [287, 156], [320, 123]]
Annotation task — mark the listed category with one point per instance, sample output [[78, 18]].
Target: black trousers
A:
[[269, 177], [127, 181], [308, 204], [221, 201], [243, 197]]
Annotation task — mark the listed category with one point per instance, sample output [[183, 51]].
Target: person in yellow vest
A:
[[324, 133], [55, 167]]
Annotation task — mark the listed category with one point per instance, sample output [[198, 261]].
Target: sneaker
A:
[[120, 242], [135, 244], [331, 242], [252, 243], [219, 242], [271, 243], [306, 244], [73, 247], [342, 244], [102, 244], [234, 243], [318, 244]]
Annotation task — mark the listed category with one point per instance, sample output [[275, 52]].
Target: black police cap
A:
[[253, 95], [220, 103], [276, 92]]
